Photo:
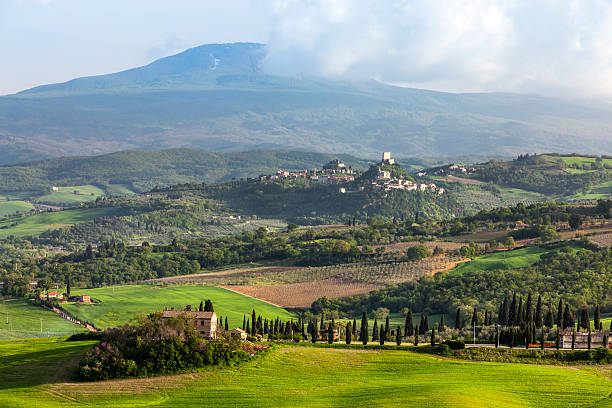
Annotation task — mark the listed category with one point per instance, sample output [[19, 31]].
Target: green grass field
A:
[[36, 373], [596, 192], [518, 258], [118, 189], [127, 302], [72, 195], [35, 224], [12, 207], [580, 160], [24, 321]]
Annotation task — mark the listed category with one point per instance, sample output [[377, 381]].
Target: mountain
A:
[[218, 97]]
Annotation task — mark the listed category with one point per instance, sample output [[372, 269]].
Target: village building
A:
[[54, 295], [205, 322], [387, 160], [582, 340]]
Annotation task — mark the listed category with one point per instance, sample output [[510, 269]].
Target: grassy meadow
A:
[[35, 224], [71, 195], [12, 207], [24, 321], [518, 258], [36, 373], [122, 304]]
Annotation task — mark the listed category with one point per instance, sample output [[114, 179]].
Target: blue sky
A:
[[549, 47]]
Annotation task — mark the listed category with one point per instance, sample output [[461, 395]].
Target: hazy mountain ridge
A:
[[216, 97]]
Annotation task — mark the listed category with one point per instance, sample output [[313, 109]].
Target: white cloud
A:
[[547, 46]]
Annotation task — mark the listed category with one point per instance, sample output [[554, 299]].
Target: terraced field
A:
[[36, 373], [71, 195]]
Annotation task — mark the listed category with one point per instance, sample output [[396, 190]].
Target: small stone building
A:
[[582, 340], [205, 322], [238, 334]]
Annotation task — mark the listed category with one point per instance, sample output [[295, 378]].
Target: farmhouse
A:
[[205, 322], [582, 340], [54, 295]]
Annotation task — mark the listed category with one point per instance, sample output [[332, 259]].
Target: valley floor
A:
[[36, 373]]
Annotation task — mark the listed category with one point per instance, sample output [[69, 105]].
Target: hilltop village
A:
[[385, 175]]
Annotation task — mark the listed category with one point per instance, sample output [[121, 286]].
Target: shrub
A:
[[454, 344]]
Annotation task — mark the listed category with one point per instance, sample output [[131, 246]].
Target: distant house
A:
[[54, 188], [80, 298], [54, 295], [582, 340], [238, 334], [205, 322], [323, 334]]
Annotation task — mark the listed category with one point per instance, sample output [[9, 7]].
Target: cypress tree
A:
[[442, 323], [409, 325], [354, 327], [597, 318], [243, 322], [383, 335], [474, 318], [425, 325], [364, 328], [519, 313], [398, 335], [549, 322], [201, 308], [486, 318], [416, 336], [226, 324], [433, 336], [330, 334], [538, 313], [387, 328], [458, 322], [314, 333], [208, 306], [322, 323], [567, 317], [558, 340], [529, 309], [560, 314], [248, 328], [506, 312], [513, 310], [253, 323], [375, 331], [349, 333], [573, 337]]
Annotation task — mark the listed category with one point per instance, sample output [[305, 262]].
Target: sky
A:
[[547, 47]]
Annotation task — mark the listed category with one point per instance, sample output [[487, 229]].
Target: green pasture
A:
[[35, 224], [518, 258], [596, 192], [72, 195], [515, 195], [118, 189], [24, 321], [36, 373], [122, 304], [580, 160], [12, 207]]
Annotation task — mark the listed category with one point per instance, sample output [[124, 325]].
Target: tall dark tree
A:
[[512, 318], [375, 331], [409, 325], [597, 318], [253, 323], [201, 308], [474, 318], [226, 324], [383, 335], [539, 320], [387, 328], [567, 317], [354, 327], [248, 327], [330, 334], [314, 332], [398, 335], [349, 333], [504, 312], [364, 328], [560, 314], [550, 320], [433, 337], [529, 309], [208, 306], [519, 314], [416, 336], [442, 324], [243, 322], [458, 320]]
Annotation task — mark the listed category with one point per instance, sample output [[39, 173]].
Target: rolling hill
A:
[[217, 97]]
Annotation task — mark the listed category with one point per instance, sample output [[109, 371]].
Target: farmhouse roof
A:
[[197, 314], [237, 330]]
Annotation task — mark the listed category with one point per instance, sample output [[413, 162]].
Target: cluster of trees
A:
[[153, 347], [588, 270]]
